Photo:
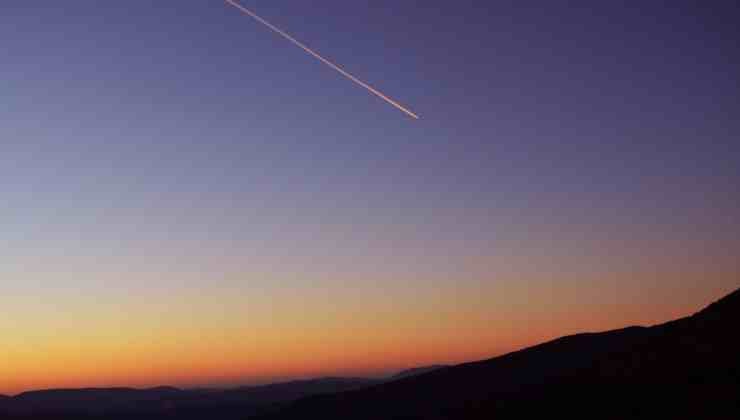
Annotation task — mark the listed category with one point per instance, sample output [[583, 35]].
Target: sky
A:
[[188, 199]]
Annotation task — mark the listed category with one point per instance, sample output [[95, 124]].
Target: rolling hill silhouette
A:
[[290, 391], [417, 371], [154, 403], [167, 402], [688, 368]]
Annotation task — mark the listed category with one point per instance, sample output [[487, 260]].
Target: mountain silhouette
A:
[[416, 371], [167, 402], [688, 368], [288, 391], [89, 402], [684, 369], [154, 403]]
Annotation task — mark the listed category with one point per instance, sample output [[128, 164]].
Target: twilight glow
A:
[[187, 200]]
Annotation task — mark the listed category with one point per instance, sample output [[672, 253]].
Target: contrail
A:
[[322, 59]]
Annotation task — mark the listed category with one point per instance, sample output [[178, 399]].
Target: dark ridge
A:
[[682, 369], [165, 389], [416, 371], [59, 403], [725, 307], [293, 390], [167, 402], [62, 394]]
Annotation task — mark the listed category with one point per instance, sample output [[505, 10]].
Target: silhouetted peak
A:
[[336, 379], [164, 390], [326, 380], [62, 391], [65, 392], [685, 368], [726, 307], [417, 371]]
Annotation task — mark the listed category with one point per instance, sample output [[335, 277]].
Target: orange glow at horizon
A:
[[118, 348]]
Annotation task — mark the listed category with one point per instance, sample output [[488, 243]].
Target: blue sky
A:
[[181, 146]]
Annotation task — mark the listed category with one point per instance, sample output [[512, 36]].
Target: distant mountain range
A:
[[684, 369], [154, 403]]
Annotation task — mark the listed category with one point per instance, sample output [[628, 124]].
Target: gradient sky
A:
[[188, 199]]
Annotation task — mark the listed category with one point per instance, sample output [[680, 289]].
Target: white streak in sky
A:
[[322, 59]]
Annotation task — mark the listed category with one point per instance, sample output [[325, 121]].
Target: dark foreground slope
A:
[[688, 369]]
